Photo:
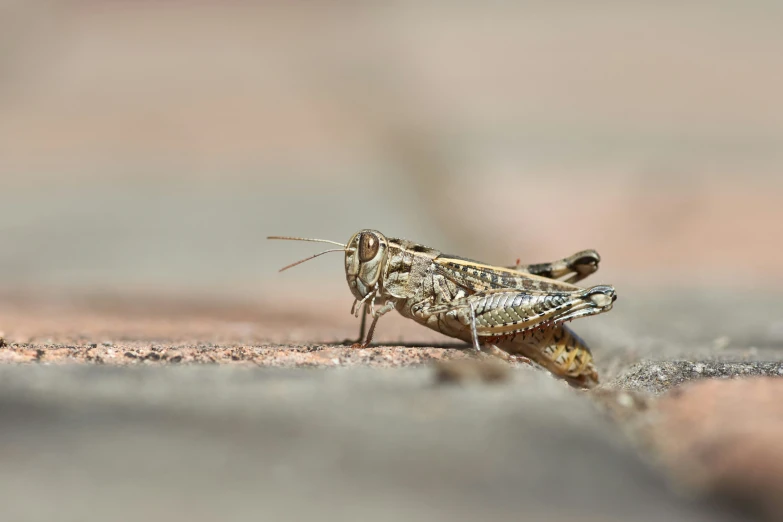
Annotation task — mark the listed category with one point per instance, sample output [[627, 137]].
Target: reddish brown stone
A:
[[726, 437]]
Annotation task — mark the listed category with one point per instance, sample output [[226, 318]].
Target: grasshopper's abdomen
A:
[[559, 350]]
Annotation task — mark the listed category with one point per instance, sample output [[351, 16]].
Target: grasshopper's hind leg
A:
[[559, 350], [491, 348], [578, 266]]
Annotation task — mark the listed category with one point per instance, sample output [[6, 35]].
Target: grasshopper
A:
[[515, 312]]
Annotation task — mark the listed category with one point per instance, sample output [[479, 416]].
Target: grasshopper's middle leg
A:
[[579, 266], [388, 307]]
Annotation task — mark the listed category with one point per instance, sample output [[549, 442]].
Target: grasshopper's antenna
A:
[[342, 249], [312, 257], [306, 239]]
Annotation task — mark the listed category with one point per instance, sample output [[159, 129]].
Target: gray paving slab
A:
[[218, 443]]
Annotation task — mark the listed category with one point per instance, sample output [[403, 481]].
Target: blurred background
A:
[[152, 146], [147, 148]]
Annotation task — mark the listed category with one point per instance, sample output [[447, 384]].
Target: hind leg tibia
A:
[[577, 267]]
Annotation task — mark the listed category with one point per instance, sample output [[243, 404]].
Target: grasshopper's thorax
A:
[[365, 256]]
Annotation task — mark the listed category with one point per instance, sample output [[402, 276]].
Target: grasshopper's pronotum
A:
[[512, 311]]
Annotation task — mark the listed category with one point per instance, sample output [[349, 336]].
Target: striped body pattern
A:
[[515, 311]]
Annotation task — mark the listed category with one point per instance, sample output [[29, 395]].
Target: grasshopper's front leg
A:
[[362, 326], [386, 308], [578, 266], [366, 306]]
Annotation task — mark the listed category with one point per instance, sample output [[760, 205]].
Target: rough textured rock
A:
[[658, 376]]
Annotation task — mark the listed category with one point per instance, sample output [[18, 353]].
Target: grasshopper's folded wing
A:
[[474, 277]]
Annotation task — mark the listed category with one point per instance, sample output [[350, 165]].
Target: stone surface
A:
[[206, 408], [205, 443], [189, 403], [723, 437], [658, 376]]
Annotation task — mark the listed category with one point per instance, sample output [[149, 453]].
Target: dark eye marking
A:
[[368, 247]]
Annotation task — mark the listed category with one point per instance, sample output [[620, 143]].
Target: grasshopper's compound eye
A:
[[368, 246]]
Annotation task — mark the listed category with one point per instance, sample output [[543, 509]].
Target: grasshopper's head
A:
[[364, 260]]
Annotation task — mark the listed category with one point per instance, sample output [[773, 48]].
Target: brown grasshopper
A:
[[512, 311]]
